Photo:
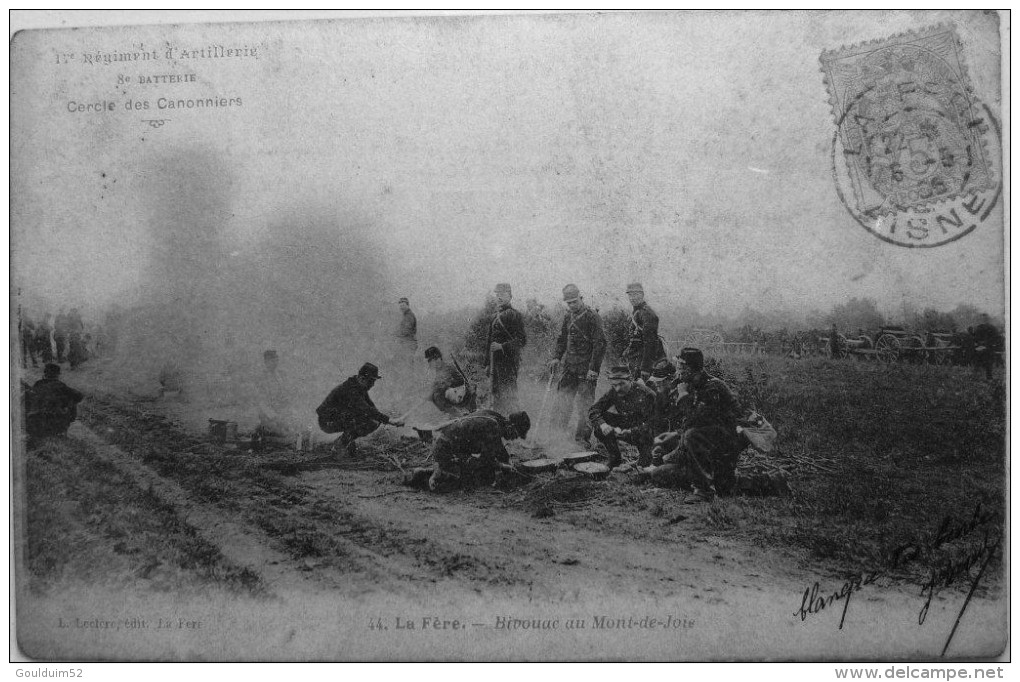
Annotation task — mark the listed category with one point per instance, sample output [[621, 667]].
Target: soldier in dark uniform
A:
[[50, 405], [43, 344], [349, 411], [633, 407], [60, 334], [505, 340], [480, 433], [709, 444], [644, 348], [669, 405], [833, 342], [26, 334], [76, 353], [987, 342], [451, 392], [579, 351], [407, 332]]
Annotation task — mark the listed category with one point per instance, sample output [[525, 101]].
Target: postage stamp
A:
[[914, 148]]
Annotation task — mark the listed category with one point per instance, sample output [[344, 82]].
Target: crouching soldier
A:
[[709, 442], [451, 393], [51, 405], [633, 407], [473, 444], [349, 411]]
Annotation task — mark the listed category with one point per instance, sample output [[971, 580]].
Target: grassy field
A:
[[909, 445]]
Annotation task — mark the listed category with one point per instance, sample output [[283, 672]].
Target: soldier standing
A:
[[987, 342], [407, 332], [26, 332], [60, 334], [276, 417], [43, 344], [76, 353], [505, 340], [624, 413], [644, 348], [579, 350]]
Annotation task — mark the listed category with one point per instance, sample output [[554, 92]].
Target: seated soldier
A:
[[669, 404], [349, 411], [633, 408], [451, 393], [709, 442], [474, 444], [50, 405]]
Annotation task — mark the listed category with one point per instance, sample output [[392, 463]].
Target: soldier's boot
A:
[[700, 495], [644, 456], [442, 481]]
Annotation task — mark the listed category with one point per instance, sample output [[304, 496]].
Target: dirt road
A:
[[356, 566]]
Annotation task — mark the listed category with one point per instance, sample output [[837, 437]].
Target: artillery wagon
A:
[[894, 344]]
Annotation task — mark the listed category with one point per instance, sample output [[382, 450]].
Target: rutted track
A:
[[338, 528]]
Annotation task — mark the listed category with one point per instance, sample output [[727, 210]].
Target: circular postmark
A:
[[916, 158]]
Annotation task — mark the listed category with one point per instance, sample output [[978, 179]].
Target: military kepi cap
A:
[[663, 369], [403, 299], [503, 288], [571, 293], [635, 287], [270, 355], [693, 358], [620, 372], [369, 371], [432, 353]]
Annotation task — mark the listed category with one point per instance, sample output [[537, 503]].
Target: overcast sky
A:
[[690, 152]]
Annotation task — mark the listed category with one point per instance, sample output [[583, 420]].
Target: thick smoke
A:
[[308, 281]]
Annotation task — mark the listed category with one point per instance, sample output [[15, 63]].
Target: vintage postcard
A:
[[634, 336]]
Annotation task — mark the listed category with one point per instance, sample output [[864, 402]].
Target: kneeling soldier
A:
[[349, 411], [634, 409], [710, 444], [475, 442]]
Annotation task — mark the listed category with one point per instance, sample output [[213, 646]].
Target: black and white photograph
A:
[[552, 336]]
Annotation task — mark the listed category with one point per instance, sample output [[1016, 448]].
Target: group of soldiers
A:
[[681, 420], [60, 339]]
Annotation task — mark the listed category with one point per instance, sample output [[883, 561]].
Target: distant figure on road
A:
[[60, 325], [76, 352], [276, 417], [43, 342], [50, 405], [26, 334], [349, 411], [407, 334]]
